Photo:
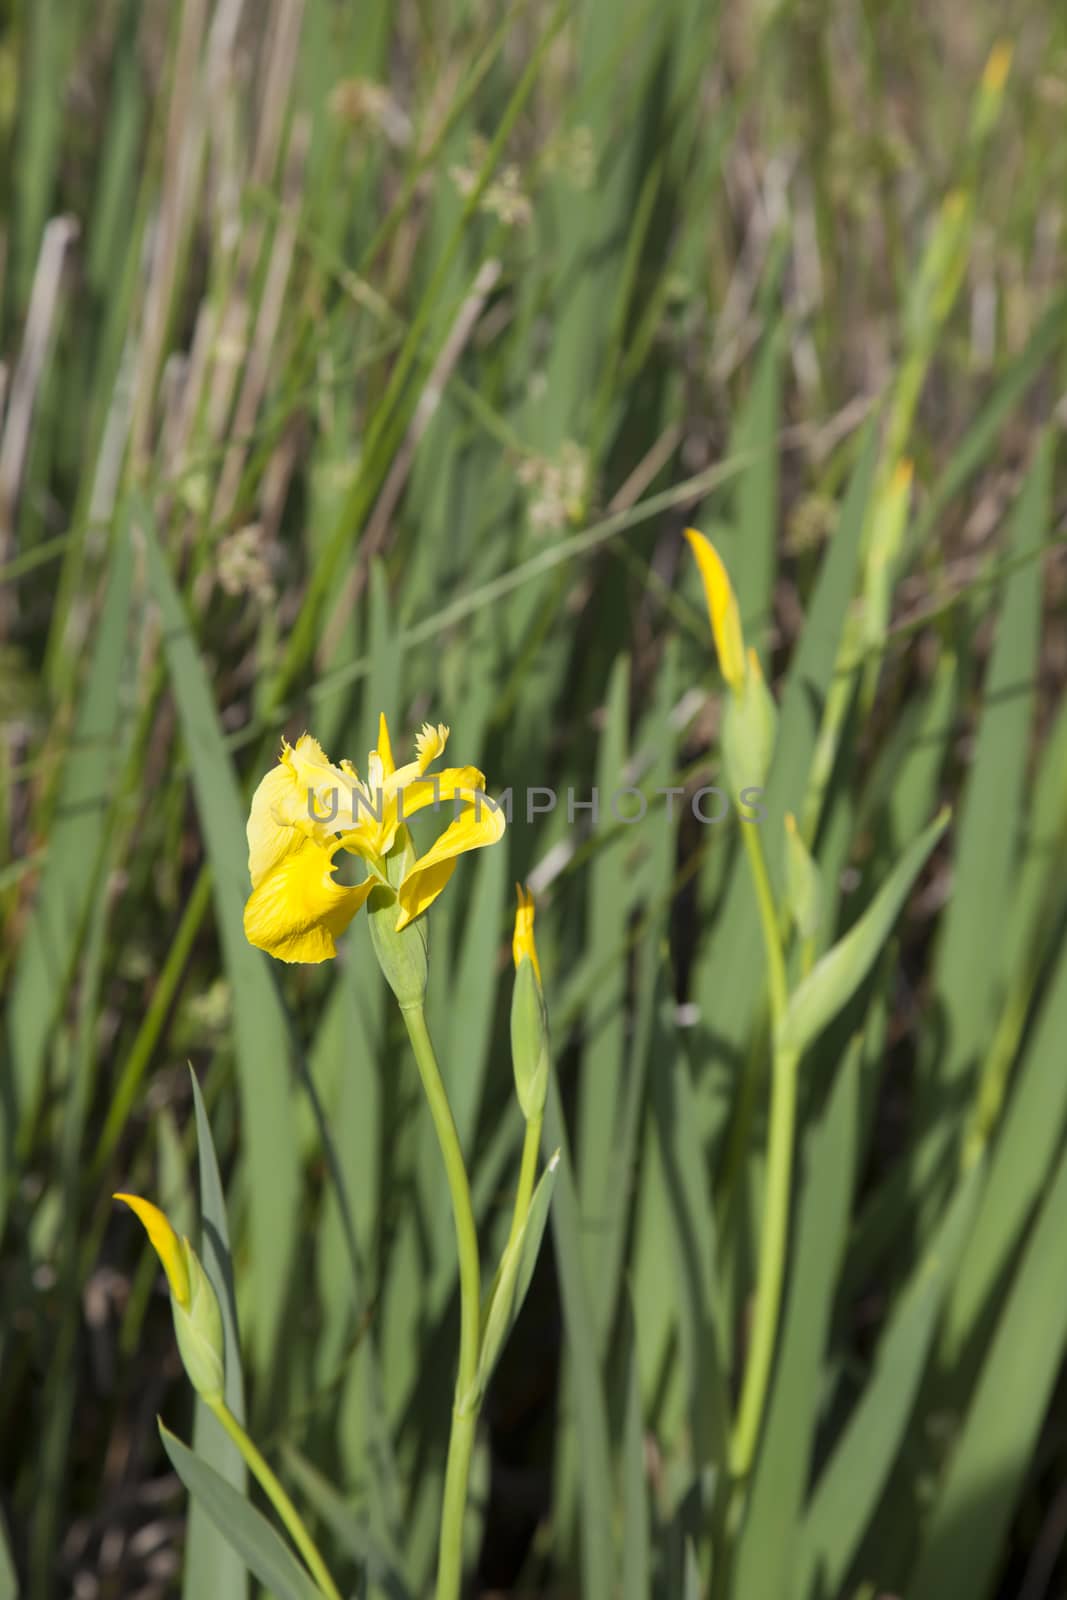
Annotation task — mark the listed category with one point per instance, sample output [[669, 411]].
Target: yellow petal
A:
[[444, 788], [522, 942], [722, 609], [165, 1243], [384, 775], [282, 813], [385, 748], [430, 743], [480, 823], [297, 910]]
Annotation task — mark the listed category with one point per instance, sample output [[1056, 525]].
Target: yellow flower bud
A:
[[998, 66], [164, 1241], [749, 730], [990, 97], [888, 524], [529, 1019], [193, 1302], [722, 610], [522, 943]]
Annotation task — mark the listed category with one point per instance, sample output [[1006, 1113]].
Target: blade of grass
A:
[[261, 1029]]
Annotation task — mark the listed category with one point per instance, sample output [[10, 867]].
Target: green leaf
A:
[[600, 1088], [9, 1583], [850, 1486], [693, 1245], [349, 1525], [993, 1454], [594, 1439], [77, 828], [836, 978], [513, 1278], [261, 1549], [1020, 1163], [636, 1510], [986, 834], [211, 1562], [262, 1030]]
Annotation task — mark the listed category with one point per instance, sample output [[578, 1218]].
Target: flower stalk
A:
[[749, 727], [296, 912], [279, 1499]]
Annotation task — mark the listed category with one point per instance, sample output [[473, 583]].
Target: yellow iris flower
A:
[[306, 810]]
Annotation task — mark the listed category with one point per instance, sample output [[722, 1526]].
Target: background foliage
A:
[[374, 357]]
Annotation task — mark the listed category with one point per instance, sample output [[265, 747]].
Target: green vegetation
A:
[[364, 358]]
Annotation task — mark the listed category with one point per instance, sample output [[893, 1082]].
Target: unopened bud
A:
[[529, 1018], [193, 1301], [749, 729]]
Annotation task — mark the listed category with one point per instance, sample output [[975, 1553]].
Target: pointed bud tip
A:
[[522, 940], [998, 66], [722, 609], [164, 1241]]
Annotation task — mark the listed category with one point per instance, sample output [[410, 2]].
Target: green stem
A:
[[278, 1498], [454, 1506], [531, 1145], [772, 939], [774, 1238], [774, 1229], [464, 1414]]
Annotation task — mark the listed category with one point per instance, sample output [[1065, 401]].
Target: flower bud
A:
[[529, 1019], [198, 1328], [749, 729], [990, 97], [193, 1302], [723, 613]]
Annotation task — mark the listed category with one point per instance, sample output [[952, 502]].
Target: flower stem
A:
[[454, 1505], [278, 1499], [531, 1145], [772, 939], [774, 1238], [464, 1412], [774, 1228]]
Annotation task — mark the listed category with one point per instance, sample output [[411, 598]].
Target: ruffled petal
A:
[[297, 910], [430, 743], [303, 796]]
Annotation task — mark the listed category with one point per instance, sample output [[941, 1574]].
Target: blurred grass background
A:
[[362, 358]]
